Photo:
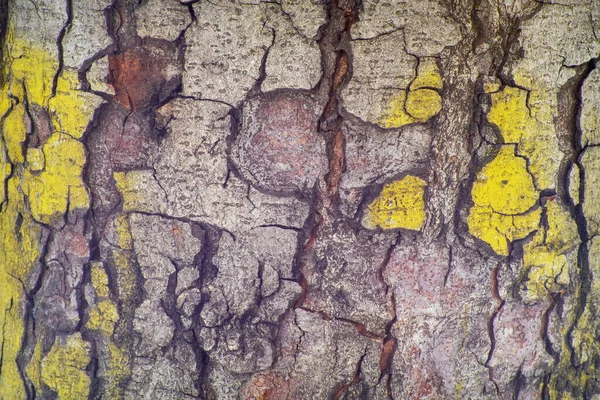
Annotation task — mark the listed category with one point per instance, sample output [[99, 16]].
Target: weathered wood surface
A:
[[300, 199]]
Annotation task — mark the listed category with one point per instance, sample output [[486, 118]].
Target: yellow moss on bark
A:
[[420, 102], [64, 368], [400, 204], [42, 184]]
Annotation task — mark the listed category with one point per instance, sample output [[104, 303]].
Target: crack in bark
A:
[[449, 270], [29, 338], [336, 30], [490, 324], [585, 274], [344, 387], [59, 44], [262, 70], [390, 342], [544, 334]]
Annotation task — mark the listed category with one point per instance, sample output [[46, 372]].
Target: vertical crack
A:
[[336, 66], [449, 270], [390, 343], [29, 338], [262, 70], [491, 320], [584, 284], [4, 17], [545, 326], [59, 44], [339, 393]]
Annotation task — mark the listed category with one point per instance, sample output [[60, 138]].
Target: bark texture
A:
[[300, 199]]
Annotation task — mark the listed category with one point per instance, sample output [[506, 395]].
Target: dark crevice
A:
[[59, 44], [31, 333], [449, 270], [4, 19], [343, 388], [335, 59], [585, 276], [518, 382], [290, 228], [182, 96], [85, 69], [262, 70], [545, 326], [491, 320], [388, 350]]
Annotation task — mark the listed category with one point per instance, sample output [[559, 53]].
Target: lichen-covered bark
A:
[[299, 199]]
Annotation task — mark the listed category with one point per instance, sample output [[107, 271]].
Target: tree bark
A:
[[300, 199]]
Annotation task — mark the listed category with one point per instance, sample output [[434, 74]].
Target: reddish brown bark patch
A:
[[268, 385], [278, 147], [146, 75]]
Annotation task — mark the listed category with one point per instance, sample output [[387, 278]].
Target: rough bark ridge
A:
[[299, 199]]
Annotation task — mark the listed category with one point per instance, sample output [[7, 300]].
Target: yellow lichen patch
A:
[[459, 388], [103, 317], [35, 159], [396, 116], [30, 197], [122, 258], [32, 67], [583, 345], [548, 271], [71, 109], [418, 104], [590, 163], [491, 87], [594, 263], [505, 185], [126, 184], [499, 230], [60, 184], [99, 279], [6, 102], [428, 75], [532, 130], [399, 205], [544, 257], [584, 339], [34, 368], [63, 369], [504, 196], [118, 371], [423, 104], [561, 234], [14, 131], [123, 232], [509, 184], [510, 114], [20, 239], [125, 273], [140, 191]]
